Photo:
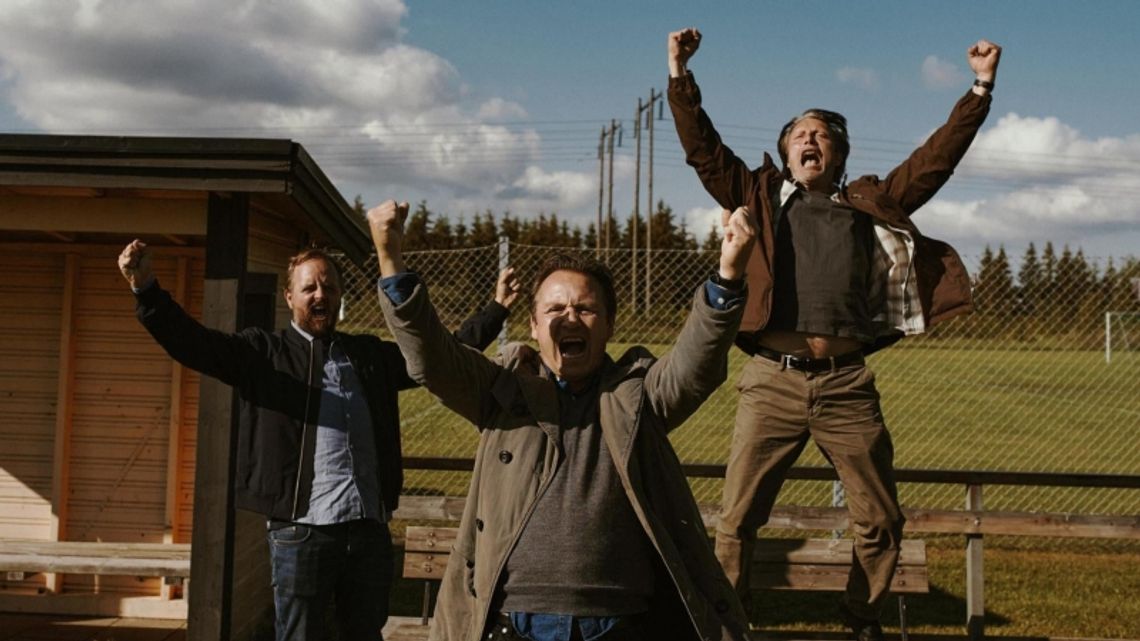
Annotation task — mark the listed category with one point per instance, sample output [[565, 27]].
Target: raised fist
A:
[[134, 263], [386, 222], [682, 45], [983, 57], [739, 236]]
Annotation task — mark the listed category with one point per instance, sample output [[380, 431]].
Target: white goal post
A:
[[1121, 332]]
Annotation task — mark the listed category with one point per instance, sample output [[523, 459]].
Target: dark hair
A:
[[583, 265], [312, 253], [836, 126]]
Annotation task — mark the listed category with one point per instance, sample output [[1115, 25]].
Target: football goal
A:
[[1121, 333]]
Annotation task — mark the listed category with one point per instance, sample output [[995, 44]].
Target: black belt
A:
[[808, 364]]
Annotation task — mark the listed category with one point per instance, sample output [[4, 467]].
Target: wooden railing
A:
[[973, 522]]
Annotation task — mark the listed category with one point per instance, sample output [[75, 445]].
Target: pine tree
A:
[[462, 235], [484, 232], [1029, 279], [441, 236], [416, 230]]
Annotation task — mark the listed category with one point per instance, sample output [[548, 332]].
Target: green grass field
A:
[[986, 409]]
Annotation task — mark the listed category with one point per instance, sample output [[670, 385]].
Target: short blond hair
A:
[[304, 256]]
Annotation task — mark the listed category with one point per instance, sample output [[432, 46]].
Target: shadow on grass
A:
[[793, 609]]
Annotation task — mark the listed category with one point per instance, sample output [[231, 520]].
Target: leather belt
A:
[[808, 364]]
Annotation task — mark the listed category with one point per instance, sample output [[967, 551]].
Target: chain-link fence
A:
[[1023, 384]]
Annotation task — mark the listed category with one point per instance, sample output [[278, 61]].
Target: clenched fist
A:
[[386, 223], [134, 263], [739, 236], [983, 57], [682, 45]]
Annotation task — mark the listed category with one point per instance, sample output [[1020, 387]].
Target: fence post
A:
[[504, 261], [838, 499], [1108, 337], [975, 577]]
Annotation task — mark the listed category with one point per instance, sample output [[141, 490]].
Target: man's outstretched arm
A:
[[725, 177], [214, 353], [679, 382], [458, 376], [920, 176], [482, 328]]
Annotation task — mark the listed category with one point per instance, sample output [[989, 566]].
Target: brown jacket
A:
[[942, 280], [516, 411]]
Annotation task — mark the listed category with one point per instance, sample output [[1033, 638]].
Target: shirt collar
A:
[[788, 188], [307, 335]]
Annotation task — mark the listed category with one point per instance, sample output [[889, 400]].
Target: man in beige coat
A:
[[579, 523]]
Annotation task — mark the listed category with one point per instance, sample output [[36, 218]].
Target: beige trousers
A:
[[778, 410]]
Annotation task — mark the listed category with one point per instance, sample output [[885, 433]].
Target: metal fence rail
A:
[[1020, 385]]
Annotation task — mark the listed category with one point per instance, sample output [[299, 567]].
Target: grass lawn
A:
[[978, 408]]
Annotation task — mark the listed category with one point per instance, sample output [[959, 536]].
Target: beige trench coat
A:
[[516, 410]]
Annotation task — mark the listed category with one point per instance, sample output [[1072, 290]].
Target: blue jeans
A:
[[349, 562]]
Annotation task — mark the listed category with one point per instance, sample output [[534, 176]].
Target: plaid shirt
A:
[[893, 292]]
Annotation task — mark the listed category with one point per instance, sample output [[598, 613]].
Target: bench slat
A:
[[828, 551], [430, 539], [79, 557], [425, 565], [907, 580]]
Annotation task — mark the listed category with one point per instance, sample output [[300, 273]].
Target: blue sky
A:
[[498, 105]]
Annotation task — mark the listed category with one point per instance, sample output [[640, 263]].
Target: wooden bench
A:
[[168, 560], [426, 549], [778, 564], [823, 565]]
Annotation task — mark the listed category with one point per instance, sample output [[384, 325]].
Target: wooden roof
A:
[[278, 173]]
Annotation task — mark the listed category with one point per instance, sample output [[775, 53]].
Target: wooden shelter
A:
[[103, 438]]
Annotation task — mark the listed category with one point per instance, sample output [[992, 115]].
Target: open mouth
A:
[[319, 311], [811, 158], [572, 347]]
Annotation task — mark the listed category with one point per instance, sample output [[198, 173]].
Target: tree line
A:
[[1054, 296], [426, 229], [1060, 297]]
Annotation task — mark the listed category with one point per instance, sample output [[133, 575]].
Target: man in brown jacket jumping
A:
[[579, 524], [840, 272]]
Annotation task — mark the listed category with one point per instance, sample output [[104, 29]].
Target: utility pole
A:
[[615, 127], [635, 223], [654, 99], [601, 191], [610, 132]]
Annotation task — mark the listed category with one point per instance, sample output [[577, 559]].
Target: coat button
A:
[[505, 456], [479, 524]]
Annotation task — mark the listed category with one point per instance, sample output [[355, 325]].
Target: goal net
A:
[[1121, 333]]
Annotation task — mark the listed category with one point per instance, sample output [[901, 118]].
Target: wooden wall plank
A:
[[61, 458], [29, 384]]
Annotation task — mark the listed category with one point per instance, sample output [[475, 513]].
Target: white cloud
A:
[[1039, 178], [939, 74], [858, 76], [701, 219], [559, 190], [332, 74], [499, 109], [1035, 148]]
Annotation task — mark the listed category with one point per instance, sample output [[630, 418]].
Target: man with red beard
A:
[[319, 440], [839, 271]]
